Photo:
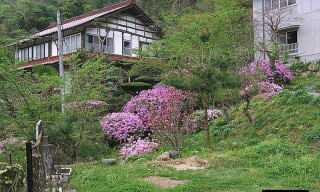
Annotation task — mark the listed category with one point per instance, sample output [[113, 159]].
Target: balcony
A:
[[291, 49]]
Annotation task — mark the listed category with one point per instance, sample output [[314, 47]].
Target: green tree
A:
[[205, 51]]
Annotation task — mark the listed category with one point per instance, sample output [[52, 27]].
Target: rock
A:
[[164, 157], [109, 162], [174, 154]]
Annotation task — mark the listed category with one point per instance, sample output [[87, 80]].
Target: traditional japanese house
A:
[[119, 30]]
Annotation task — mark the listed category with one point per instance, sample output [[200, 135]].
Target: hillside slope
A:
[[279, 151]]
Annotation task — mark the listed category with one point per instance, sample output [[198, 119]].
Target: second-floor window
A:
[[288, 41], [278, 4]]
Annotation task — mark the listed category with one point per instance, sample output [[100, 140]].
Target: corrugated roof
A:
[[85, 18]]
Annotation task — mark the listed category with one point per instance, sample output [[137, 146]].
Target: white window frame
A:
[[72, 43], [279, 4]]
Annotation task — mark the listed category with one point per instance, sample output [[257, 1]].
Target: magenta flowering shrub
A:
[[138, 147], [269, 89], [280, 74], [121, 126], [283, 72], [267, 77], [157, 103]]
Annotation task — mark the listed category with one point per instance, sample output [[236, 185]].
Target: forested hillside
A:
[[19, 18]]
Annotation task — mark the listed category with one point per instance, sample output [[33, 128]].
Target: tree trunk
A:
[[247, 111], [206, 122]]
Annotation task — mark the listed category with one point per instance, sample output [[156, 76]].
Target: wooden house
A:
[[119, 30]]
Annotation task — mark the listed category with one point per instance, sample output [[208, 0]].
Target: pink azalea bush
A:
[[138, 147], [157, 103], [270, 89], [121, 126], [159, 110], [280, 72], [269, 78]]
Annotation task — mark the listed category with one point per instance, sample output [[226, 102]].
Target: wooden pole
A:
[[263, 30], [29, 166], [61, 66]]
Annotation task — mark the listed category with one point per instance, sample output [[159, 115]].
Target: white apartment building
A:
[[297, 26]]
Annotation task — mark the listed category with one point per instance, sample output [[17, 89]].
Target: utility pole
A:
[[263, 30], [61, 66]]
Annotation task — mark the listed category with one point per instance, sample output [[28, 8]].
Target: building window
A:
[[110, 45], [278, 4], [127, 47], [143, 46], [90, 39], [275, 4], [24, 54], [289, 41], [72, 43], [288, 37], [292, 2]]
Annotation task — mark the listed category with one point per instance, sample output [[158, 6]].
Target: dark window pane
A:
[[90, 39], [292, 37], [127, 47], [291, 2]]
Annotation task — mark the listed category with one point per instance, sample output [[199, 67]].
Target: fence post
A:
[[29, 166]]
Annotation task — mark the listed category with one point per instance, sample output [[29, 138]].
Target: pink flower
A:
[[121, 126], [280, 72], [157, 103], [138, 147], [270, 89]]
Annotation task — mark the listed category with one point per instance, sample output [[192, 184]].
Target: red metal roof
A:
[[97, 11], [87, 17], [55, 60]]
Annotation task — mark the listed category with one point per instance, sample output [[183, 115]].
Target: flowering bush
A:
[[138, 147], [269, 89], [281, 73], [155, 103], [268, 78], [121, 126]]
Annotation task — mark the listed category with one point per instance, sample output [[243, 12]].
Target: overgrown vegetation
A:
[[278, 151]]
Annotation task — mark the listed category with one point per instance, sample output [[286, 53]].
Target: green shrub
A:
[[221, 127]]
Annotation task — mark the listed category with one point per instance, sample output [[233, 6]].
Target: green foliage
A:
[[221, 128], [136, 87], [11, 177]]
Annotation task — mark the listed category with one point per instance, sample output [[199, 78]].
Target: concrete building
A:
[[294, 24]]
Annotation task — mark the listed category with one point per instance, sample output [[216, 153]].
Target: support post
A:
[[263, 30], [61, 66], [29, 166]]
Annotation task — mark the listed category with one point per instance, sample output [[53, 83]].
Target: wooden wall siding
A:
[[122, 29]]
